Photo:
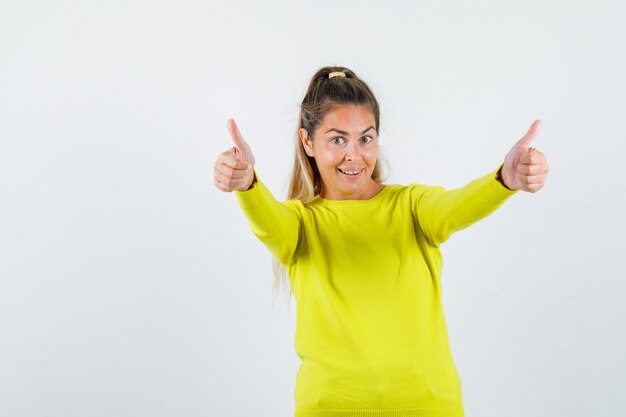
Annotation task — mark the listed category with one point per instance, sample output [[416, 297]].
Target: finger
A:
[[229, 158], [221, 186], [233, 130], [230, 184], [219, 182], [533, 157], [532, 133], [225, 182], [533, 179], [532, 169], [230, 172], [533, 188]]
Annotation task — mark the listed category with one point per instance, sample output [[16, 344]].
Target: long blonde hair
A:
[[322, 95]]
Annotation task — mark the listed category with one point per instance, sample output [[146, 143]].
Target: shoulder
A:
[[295, 205], [413, 191], [409, 195]]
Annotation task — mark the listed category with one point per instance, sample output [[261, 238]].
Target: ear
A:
[[306, 141]]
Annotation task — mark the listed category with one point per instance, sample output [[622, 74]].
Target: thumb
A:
[[530, 136], [242, 147], [233, 130]]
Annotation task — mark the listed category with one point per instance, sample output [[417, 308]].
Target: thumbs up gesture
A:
[[233, 169], [525, 168]]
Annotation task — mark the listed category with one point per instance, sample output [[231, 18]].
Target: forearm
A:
[[276, 224], [442, 212]]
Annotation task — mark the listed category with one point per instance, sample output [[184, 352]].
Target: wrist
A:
[[252, 182], [500, 178]]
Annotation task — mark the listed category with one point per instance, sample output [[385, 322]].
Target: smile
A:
[[350, 173]]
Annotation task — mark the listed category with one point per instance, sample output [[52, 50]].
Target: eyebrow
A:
[[345, 133]]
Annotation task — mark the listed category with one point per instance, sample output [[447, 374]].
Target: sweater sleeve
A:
[[442, 212], [275, 224]]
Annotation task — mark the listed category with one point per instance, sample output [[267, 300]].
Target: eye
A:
[[367, 139], [338, 140]]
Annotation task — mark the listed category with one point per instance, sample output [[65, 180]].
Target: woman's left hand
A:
[[525, 168]]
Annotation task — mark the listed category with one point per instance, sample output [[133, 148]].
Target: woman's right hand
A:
[[233, 169]]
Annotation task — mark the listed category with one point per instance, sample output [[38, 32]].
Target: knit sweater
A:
[[366, 276]]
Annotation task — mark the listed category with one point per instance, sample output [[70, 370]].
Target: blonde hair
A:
[[323, 94]]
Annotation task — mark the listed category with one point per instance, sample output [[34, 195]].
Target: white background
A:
[[131, 286]]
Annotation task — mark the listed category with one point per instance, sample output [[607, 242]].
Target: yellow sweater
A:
[[366, 276]]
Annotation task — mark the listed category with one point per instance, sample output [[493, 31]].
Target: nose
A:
[[352, 151]]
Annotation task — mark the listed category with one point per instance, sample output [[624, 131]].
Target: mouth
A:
[[351, 174]]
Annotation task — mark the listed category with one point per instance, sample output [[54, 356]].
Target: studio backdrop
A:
[[131, 286]]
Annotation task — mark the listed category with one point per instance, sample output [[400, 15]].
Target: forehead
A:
[[349, 118]]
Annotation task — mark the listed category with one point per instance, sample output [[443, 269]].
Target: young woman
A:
[[363, 257]]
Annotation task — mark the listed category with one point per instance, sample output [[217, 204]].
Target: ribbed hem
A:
[[405, 412]]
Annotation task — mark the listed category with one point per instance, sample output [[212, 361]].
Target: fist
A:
[[525, 168], [233, 169]]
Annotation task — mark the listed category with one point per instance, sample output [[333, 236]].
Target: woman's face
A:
[[345, 148]]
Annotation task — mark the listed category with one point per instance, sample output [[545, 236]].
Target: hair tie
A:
[[336, 74]]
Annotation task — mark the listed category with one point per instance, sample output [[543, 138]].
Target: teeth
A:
[[349, 172]]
